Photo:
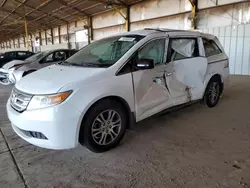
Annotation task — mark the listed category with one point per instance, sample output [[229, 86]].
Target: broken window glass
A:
[[183, 48]]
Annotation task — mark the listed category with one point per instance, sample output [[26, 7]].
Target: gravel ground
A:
[[193, 147]]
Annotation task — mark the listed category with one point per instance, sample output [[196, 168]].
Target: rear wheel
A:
[[213, 92], [104, 126]]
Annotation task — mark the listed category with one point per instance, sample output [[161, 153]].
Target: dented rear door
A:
[[186, 69]]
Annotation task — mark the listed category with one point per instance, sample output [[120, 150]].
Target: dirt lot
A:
[[194, 147]]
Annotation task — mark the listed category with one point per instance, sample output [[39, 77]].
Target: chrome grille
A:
[[19, 100]]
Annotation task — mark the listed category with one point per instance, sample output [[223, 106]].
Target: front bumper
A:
[[4, 77], [52, 128]]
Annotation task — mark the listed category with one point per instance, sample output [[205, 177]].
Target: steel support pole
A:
[[26, 34]]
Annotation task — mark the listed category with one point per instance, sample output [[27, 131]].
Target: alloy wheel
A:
[[106, 127]]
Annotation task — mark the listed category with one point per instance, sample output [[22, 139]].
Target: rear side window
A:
[[210, 47], [182, 48], [22, 54]]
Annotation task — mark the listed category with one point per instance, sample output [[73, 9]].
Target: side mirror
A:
[[144, 64]]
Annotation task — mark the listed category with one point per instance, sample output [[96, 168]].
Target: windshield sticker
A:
[[126, 39]]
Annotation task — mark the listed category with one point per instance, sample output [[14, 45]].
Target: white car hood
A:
[[51, 79], [12, 63]]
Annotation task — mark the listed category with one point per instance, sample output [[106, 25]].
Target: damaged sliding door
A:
[[185, 71]]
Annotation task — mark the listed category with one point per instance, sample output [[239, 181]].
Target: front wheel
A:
[[104, 126], [213, 92]]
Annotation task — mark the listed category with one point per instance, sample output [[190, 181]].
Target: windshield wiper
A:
[[66, 63], [86, 64]]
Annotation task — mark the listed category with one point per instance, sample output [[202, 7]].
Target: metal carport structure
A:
[[19, 17]]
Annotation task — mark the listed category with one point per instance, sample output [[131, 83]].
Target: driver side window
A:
[[53, 57], [48, 59], [153, 50]]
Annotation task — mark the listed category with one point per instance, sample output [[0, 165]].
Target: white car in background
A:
[[9, 68], [99, 92], [13, 71]]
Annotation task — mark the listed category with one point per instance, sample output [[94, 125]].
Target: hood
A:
[[14, 62], [30, 65], [51, 79]]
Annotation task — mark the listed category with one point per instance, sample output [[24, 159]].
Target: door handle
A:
[[168, 73]]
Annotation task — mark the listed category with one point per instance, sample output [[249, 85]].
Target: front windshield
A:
[[36, 56], [103, 53]]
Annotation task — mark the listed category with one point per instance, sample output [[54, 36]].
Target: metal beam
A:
[[40, 38], [72, 7], [24, 42], [128, 18], [18, 6], [3, 3], [26, 34], [9, 11], [68, 35], [46, 39], [91, 31], [38, 9], [52, 35], [104, 2], [122, 2], [18, 42], [125, 17], [77, 12], [193, 14], [59, 34], [26, 14], [54, 11]]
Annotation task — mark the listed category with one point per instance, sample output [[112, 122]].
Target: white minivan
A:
[[99, 92]]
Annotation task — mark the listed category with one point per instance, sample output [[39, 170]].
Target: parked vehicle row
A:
[[13, 71], [107, 86], [14, 55]]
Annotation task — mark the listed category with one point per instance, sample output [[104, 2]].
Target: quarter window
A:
[[210, 47], [182, 49], [153, 50]]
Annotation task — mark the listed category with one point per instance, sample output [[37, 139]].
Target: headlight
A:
[[43, 101], [12, 69]]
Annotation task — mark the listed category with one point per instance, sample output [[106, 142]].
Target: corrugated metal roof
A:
[[46, 14]]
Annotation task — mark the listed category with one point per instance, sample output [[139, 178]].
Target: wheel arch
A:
[[29, 70], [123, 102], [214, 76]]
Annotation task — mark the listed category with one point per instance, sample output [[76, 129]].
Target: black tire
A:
[[213, 92], [104, 106], [28, 72]]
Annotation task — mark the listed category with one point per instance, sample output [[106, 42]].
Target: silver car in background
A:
[[15, 71]]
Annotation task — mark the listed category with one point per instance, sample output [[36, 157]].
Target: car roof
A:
[[55, 50], [170, 32], [18, 51]]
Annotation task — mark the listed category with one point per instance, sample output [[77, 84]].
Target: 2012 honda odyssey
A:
[[96, 94]]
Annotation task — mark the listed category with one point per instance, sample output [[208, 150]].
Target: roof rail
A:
[[167, 30]]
